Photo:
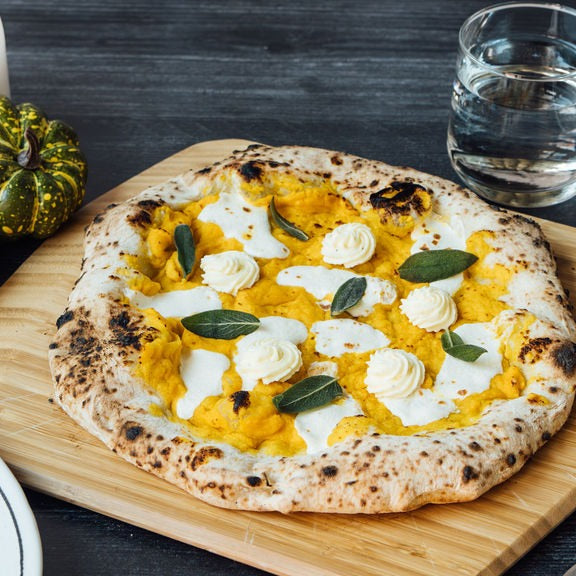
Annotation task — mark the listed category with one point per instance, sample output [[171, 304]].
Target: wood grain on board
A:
[[51, 453]]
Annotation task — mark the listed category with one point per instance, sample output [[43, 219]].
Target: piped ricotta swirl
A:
[[268, 359], [349, 245], [229, 271], [393, 373], [430, 308]]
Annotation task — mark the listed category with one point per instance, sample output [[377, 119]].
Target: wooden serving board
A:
[[50, 453]]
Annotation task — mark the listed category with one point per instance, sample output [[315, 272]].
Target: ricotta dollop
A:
[[269, 360], [229, 271], [393, 373], [349, 245], [430, 308]]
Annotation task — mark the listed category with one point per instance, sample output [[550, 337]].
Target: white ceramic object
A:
[[20, 547], [4, 77]]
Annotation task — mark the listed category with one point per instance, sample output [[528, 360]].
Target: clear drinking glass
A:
[[512, 131]]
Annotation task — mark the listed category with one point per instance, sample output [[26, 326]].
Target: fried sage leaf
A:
[[286, 225], [348, 294], [312, 392], [432, 265], [221, 324], [455, 346], [185, 248]]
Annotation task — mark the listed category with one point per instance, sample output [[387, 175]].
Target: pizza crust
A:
[[96, 346]]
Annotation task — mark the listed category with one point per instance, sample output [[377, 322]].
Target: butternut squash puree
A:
[[314, 208]]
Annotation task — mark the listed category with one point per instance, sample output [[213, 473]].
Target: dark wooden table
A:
[[141, 80]]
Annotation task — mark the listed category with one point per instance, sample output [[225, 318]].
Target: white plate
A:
[[20, 548]]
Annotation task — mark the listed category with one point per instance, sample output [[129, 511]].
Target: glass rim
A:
[[548, 6]]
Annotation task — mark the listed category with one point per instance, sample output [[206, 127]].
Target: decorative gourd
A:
[[42, 172]]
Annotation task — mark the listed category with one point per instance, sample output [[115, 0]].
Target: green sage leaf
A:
[[221, 324], [286, 225], [455, 346], [450, 339], [312, 392], [348, 294], [185, 248], [432, 265]]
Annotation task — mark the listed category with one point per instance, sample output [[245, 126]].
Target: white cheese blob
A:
[[268, 359], [323, 283], [393, 373], [429, 308], [229, 271], [291, 332], [349, 245], [420, 408], [378, 291], [246, 223], [458, 379], [340, 336], [324, 368], [436, 234], [319, 281], [315, 426], [202, 373], [178, 303]]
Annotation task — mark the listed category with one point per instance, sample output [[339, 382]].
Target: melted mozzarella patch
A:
[[420, 408], [435, 234], [246, 223], [323, 283], [178, 303], [340, 336], [458, 379], [315, 426], [319, 281], [202, 373], [271, 328]]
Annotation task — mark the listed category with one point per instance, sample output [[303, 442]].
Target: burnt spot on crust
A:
[[254, 481], [336, 160], [150, 203], [251, 170], [330, 471], [126, 334], [511, 459], [53, 345], [204, 455], [400, 198], [241, 399], [536, 348], [132, 431], [66, 317], [546, 436], [469, 473], [565, 358], [141, 218]]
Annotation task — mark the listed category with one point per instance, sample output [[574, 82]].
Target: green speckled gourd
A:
[[42, 172]]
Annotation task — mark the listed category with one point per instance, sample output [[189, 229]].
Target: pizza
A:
[[296, 329]]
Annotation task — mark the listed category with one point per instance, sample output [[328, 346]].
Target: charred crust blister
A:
[[126, 333], [400, 198], [64, 318], [565, 358], [132, 431], [251, 170]]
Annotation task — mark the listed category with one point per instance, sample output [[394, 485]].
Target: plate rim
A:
[[24, 523]]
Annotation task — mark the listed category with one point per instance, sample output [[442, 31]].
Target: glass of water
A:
[[512, 131]]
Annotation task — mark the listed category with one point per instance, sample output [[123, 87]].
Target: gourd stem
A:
[[29, 158]]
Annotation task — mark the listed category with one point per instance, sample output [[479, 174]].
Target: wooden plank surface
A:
[[49, 452]]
